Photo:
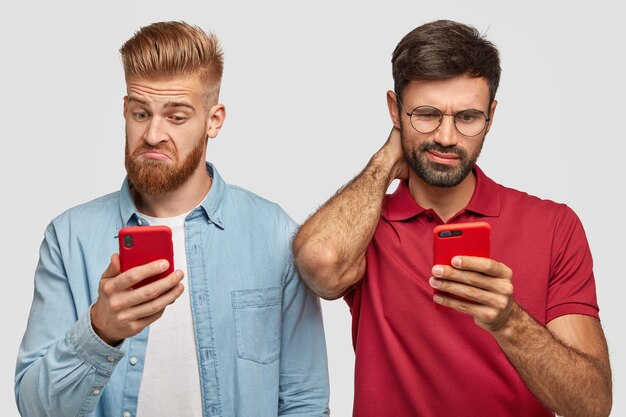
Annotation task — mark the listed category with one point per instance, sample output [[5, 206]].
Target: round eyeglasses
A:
[[426, 119]]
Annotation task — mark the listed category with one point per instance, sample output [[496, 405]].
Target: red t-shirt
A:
[[413, 359]]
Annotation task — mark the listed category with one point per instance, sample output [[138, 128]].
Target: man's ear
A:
[[125, 106], [217, 115], [492, 111], [392, 105]]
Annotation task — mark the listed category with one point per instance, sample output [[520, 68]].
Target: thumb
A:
[[114, 268]]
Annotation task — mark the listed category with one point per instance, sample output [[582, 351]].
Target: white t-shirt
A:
[[170, 384]]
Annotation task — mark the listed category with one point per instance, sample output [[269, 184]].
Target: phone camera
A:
[[450, 233], [128, 241]]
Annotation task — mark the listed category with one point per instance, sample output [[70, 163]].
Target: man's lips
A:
[[443, 158], [156, 155]]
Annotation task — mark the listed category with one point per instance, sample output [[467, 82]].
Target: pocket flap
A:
[[257, 297]]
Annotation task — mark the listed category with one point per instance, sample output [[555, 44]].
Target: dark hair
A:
[[444, 49]]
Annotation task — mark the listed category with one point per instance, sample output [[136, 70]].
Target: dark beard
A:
[[440, 175], [152, 177]]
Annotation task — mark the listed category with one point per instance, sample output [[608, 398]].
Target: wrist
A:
[[98, 330], [510, 326], [384, 165], [87, 345]]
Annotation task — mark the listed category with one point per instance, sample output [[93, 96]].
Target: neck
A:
[[179, 201], [446, 202]]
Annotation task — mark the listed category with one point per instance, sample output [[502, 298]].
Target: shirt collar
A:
[[485, 201], [211, 205]]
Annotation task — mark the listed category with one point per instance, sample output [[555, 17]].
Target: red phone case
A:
[[140, 245], [468, 239]]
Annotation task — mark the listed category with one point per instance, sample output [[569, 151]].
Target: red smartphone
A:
[[468, 239], [140, 245]]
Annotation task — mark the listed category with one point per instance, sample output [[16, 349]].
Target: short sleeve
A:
[[571, 288]]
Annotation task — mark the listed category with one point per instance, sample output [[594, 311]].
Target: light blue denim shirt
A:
[[259, 333]]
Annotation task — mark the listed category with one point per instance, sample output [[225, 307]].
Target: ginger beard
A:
[[433, 173], [152, 177]]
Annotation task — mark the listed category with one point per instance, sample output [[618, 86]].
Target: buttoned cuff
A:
[[93, 350]]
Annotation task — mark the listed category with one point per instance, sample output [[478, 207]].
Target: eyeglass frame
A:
[[487, 119]]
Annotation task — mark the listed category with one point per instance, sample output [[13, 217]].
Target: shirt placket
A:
[[134, 370], [196, 228]]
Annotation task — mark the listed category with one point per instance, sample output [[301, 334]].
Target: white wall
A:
[[304, 86]]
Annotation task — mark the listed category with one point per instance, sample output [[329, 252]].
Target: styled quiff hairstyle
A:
[[174, 49], [444, 49]]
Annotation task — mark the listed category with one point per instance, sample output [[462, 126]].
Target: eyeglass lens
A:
[[426, 119]]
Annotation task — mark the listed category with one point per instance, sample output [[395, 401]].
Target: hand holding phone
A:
[[120, 311], [465, 239]]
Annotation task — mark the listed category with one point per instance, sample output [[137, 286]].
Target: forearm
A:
[[69, 377], [330, 247], [566, 380]]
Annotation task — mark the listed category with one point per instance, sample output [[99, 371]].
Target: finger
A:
[[137, 274], [478, 311], [474, 279], [483, 265], [136, 326], [154, 289], [144, 322], [154, 306], [472, 293], [113, 269]]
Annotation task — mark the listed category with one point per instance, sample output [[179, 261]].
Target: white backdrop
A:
[[304, 87]]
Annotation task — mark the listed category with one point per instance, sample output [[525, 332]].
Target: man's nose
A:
[[446, 134], [155, 133]]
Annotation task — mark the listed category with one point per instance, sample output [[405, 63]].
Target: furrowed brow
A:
[[137, 100], [170, 104]]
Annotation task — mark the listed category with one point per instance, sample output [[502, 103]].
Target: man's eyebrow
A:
[[169, 104], [179, 104], [138, 100]]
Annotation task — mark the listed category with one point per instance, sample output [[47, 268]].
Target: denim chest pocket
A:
[[257, 316]]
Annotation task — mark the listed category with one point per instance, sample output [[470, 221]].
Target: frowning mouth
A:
[[154, 155], [443, 158]]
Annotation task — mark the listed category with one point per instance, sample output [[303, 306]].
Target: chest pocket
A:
[[257, 316]]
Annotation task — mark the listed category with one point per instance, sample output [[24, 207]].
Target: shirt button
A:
[[126, 414], [133, 361], [110, 358], [96, 392], [429, 216]]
